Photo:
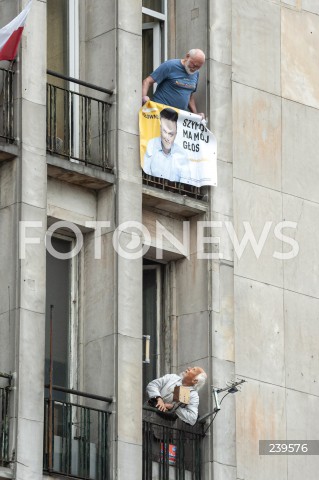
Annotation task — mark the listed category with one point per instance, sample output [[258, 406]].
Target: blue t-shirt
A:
[[174, 84]]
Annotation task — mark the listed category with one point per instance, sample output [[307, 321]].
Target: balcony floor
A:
[[8, 151], [78, 174], [174, 203]]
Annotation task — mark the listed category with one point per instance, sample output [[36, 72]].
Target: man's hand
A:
[[163, 407], [193, 108], [147, 83]]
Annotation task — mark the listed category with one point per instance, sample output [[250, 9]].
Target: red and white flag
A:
[[10, 35]]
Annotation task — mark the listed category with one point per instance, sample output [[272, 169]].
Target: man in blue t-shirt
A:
[[176, 81]]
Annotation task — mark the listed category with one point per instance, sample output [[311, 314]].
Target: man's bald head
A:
[[193, 60], [198, 54]]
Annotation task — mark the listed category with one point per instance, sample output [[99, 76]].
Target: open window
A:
[[154, 18], [63, 59], [152, 315], [61, 321], [63, 37]]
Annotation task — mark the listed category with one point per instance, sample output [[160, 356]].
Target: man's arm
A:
[[192, 106], [147, 83], [153, 390]]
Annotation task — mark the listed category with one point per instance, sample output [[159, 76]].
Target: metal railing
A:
[[171, 448], [76, 437], [6, 105], [77, 124], [4, 420], [174, 187]]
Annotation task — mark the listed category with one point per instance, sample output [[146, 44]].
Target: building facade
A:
[[100, 291]]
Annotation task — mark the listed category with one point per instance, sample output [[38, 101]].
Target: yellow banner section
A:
[[150, 127], [176, 145]]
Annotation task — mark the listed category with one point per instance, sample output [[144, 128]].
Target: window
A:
[[63, 58], [60, 292], [57, 36], [156, 5], [152, 314], [63, 37], [154, 18]]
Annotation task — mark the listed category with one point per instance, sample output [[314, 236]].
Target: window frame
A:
[[158, 18], [159, 314], [74, 69], [155, 26], [73, 320]]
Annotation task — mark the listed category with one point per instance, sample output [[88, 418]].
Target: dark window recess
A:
[[58, 280], [150, 308]]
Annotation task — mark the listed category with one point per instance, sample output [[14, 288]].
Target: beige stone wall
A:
[[254, 318], [275, 119], [23, 199]]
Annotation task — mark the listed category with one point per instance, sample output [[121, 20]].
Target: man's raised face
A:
[[190, 374], [168, 134]]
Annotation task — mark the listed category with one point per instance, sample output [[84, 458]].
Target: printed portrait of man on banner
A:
[[175, 145]]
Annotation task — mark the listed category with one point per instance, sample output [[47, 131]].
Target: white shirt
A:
[[164, 387], [174, 166]]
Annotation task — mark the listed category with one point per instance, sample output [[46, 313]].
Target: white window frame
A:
[[157, 268], [74, 68], [73, 315], [157, 32], [74, 320], [74, 40], [155, 26]]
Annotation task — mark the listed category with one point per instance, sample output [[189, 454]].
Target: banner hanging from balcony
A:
[[10, 35], [177, 146]]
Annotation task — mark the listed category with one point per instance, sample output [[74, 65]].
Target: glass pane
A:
[[150, 324], [147, 52], [58, 61], [58, 295], [57, 37], [157, 5]]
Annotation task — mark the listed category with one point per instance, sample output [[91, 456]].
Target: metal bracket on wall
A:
[[147, 349], [231, 387]]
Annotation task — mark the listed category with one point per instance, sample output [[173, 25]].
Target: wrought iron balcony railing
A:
[[6, 105], [171, 448], [77, 124], [4, 419], [174, 187], [76, 437]]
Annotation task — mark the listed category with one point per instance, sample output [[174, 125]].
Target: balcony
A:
[[191, 191], [76, 435], [176, 198], [4, 419], [77, 124], [6, 105], [171, 449], [8, 148]]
